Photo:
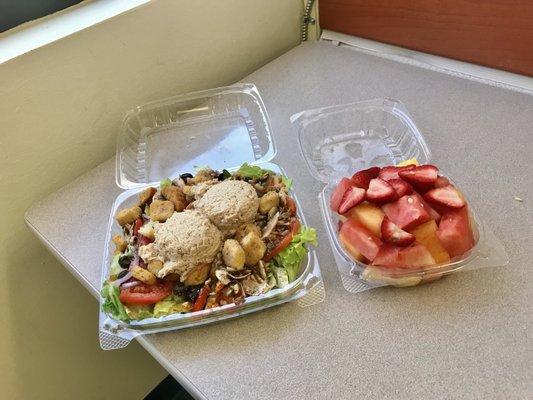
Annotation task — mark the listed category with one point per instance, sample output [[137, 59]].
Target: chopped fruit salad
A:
[[402, 218], [203, 241]]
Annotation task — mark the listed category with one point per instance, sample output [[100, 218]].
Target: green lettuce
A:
[[165, 182], [112, 304], [291, 257], [252, 171], [115, 267], [167, 306], [281, 277], [139, 311], [287, 182]]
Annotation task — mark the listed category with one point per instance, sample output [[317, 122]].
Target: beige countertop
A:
[[467, 336]]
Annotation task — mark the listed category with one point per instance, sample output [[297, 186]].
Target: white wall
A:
[[60, 108]]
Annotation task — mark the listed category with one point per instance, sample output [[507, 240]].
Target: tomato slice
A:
[[137, 225], [199, 304], [291, 205], [145, 294], [143, 240], [287, 239]]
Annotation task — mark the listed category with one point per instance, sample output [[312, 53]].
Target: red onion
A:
[[118, 282], [135, 261], [130, 284]]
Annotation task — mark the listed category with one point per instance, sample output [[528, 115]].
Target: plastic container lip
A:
[[328, 159]]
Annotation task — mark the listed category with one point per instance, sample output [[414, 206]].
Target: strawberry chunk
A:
[[362, 178], [447, 196], [388, 173], [441, 181], [388, 256], [391, 233], [414, 256], [407, 212], [338, 193], [430, 210], [353, 196], [401, 187], [421, 175], [357, 240], [455, 232], [379, 191]]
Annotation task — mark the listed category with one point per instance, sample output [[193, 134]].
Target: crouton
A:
[[198, 275], [154, 266], [120, 243], [161, 210], [143, 275], [245, 230], [147, 230], [202, 175], [233, 254], [146, 195], [254, 248], [128, 215], [268, 201], [176, 196]]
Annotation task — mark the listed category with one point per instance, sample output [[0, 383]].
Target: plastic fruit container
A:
[[221, 128], [339, 140]]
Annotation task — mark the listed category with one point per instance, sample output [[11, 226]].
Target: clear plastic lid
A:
[[221, 127], [338, 140]]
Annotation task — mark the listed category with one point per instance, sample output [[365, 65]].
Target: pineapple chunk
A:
[[426, 234], [369, 215], [411, 161]]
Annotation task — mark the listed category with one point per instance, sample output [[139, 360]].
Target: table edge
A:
[[143, 341]]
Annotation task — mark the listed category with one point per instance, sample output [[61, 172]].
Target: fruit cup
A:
[[384, 225]]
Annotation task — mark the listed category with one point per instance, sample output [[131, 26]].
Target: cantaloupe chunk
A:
[[411, 161], [358, 240], [369, 215], [426, 234]]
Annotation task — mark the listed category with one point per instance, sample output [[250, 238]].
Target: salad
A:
[[401, 219], [203, 241]]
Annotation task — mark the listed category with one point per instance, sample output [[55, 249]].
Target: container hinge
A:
[[307, 19]]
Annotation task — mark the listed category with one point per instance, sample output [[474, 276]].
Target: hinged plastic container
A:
[[221, 128], [336, 141]]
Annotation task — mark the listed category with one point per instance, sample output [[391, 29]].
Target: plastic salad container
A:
[[221, 128], [339, 140]]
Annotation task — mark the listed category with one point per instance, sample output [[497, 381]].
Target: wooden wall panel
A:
[[495, 33]]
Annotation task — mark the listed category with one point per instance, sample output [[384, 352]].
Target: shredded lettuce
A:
[[139, 311], [165, 182], [252, 171], [281, 277], [115, 267], [287, 182], [292, 256], [169, 305], [112, 304]]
